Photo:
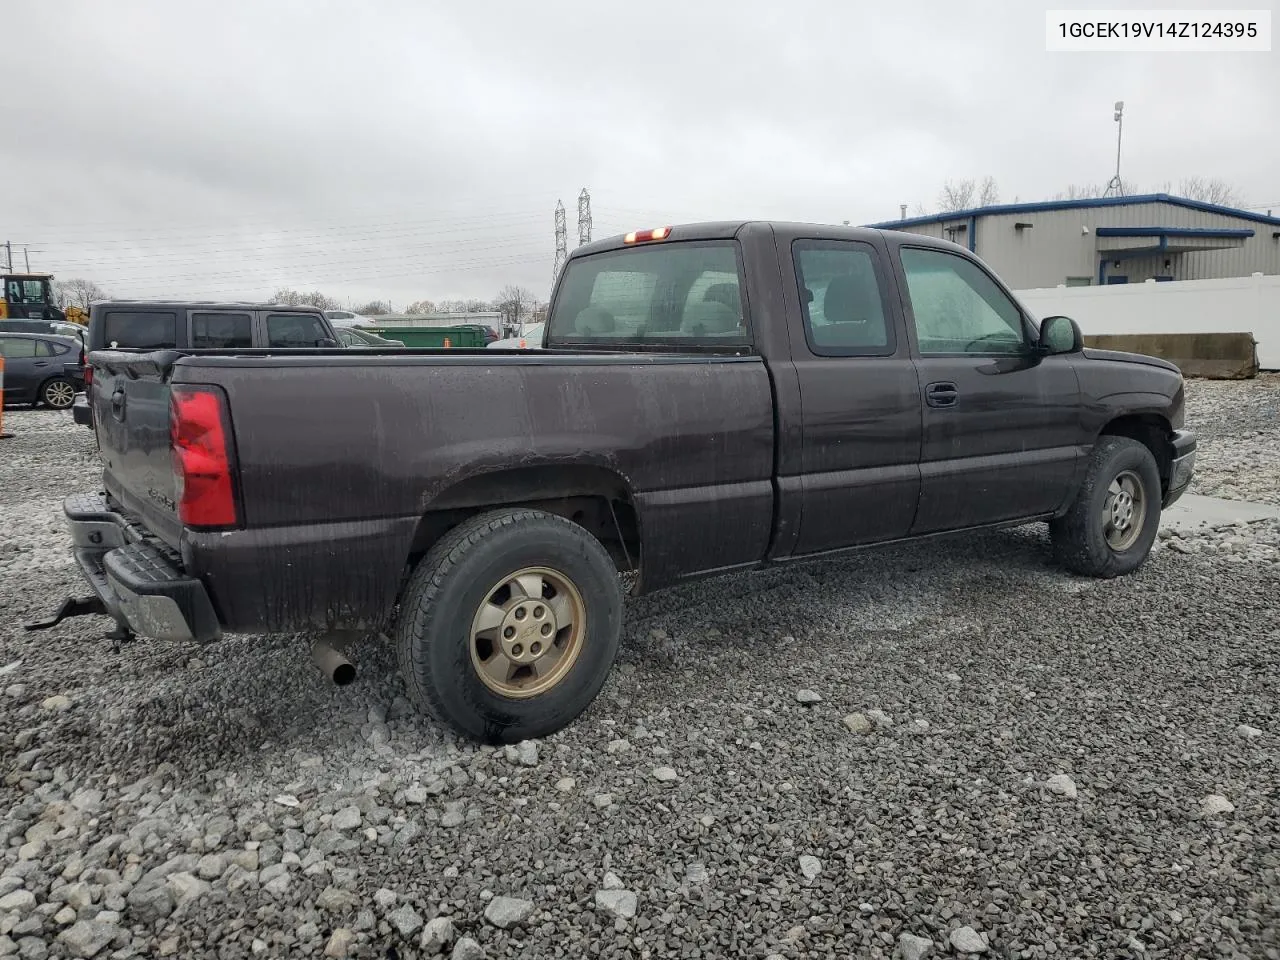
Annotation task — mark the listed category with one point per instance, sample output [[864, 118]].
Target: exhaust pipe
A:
[[332, 662]]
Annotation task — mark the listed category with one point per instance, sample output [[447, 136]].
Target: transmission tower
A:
[[562, 241], [584, 217]]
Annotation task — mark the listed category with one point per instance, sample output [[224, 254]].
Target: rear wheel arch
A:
[[598, 499]]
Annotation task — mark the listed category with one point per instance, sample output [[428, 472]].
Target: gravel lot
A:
[[1064, 767]]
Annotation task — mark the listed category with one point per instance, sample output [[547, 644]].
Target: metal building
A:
[[1109, 240]]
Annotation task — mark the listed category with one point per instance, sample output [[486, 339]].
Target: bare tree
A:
[[77, 292], [1082, 191], [515, 302], [420, 307], [956, 195], [1208, 190], [373, 308], [988, 193], [295, 298]]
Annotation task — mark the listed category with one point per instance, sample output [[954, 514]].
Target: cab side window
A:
[[844, 312], [957, 308]]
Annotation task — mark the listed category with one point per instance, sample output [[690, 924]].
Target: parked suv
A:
[[42, 369], [148, 325]]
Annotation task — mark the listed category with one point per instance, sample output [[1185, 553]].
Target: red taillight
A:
[[201, 457], [88, 375], [643, 236]]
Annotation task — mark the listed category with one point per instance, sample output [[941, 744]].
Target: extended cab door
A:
[[1002, 425], [859, 473]]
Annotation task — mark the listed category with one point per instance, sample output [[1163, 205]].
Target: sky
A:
[[417, 149]]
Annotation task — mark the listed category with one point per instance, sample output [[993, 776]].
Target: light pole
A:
[[1116, 183]]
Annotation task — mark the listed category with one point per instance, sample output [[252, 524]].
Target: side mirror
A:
[[327, 343], [1060, 335]]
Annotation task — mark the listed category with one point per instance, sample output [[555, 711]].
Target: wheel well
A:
[[595, 498], [1153, 432]]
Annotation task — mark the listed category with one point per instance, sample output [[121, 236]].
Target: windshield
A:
[[677, 294]]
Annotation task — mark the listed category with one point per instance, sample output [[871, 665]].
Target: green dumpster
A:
[[468, 337]]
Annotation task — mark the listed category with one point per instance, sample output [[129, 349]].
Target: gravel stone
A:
[[87, 938], [20, 902], [341, 943], [602, 801], [507, 912], [58, 702], [618, 746], [524, 753], [620, 904], [1215, 805], [808, 696], [1248, 732], [665, 774], [566, 784], [968, 940], [810, 866], [858, 723], [467, 949], [913, 947], [406, 920], [348, 818], [1062, 785], [384, 899], [335, 900], [881, 719], [436, 936]]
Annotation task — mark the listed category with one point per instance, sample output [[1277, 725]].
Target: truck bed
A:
[[340, 456]]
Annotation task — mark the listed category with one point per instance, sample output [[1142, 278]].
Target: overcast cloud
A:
[[417, 149]]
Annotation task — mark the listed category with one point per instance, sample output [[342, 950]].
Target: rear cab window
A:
[[663, 294], [295, 330], [843, 303], [140, 329], [214, 330]]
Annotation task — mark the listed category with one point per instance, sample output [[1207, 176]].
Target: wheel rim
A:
[[1124, 511], [59, 395], [528, 632]]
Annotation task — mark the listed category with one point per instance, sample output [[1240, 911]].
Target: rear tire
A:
[[510, 625], [1108, 530], [58, 393]]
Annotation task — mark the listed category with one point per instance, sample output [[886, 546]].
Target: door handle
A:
[[42, 363], [941, 394]]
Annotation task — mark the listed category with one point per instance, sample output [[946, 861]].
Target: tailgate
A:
[[130, 399]]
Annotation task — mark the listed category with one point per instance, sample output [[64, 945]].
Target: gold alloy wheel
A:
[[528, 632], [1124, 511]]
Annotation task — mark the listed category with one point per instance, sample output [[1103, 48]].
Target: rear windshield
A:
[[140, 330], [676, 294]]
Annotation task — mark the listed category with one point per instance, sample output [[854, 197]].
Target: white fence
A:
[[1236, 305]]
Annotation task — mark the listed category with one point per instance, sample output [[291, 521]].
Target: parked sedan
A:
[[42, 369], [355, 337], [529, 339]]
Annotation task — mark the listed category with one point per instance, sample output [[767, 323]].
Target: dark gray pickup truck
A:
[[711, 398]]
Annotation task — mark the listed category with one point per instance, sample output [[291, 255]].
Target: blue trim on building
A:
[[973, 234], [1209, 232], [1048, 205]]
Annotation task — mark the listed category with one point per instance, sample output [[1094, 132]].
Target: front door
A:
[[1002, 425], [860, 400]]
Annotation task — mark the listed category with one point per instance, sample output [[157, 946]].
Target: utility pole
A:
[[8, 259], [26, 258], [1116, 183], [562, 242]]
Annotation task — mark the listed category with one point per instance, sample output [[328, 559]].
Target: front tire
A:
[[1109, 529], [510, 625], [58, 393]]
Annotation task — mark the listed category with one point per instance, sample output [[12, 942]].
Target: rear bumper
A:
[[141, 584], [1183, 467], [81, 412]]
